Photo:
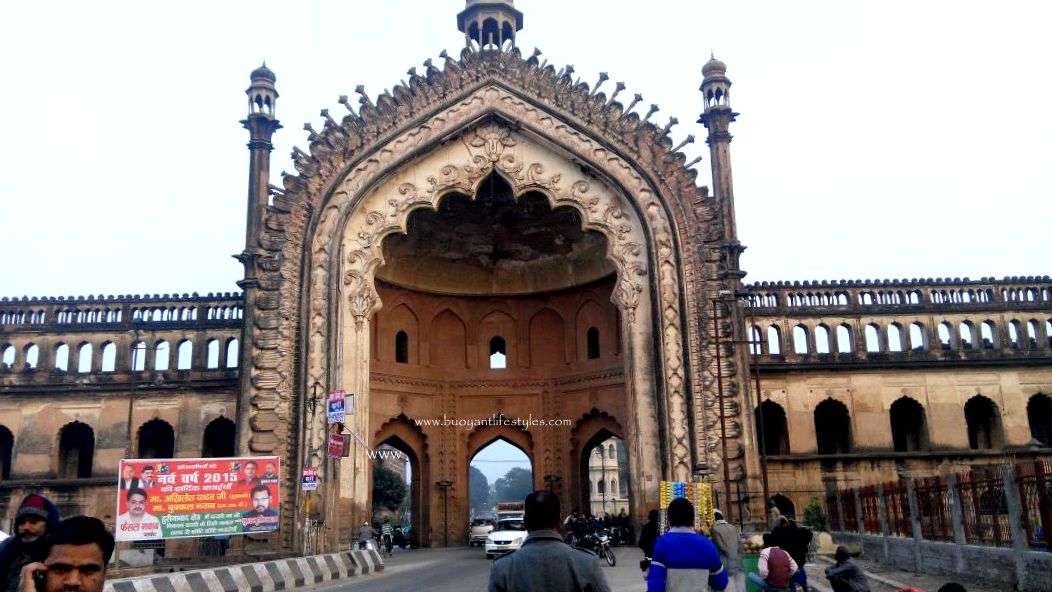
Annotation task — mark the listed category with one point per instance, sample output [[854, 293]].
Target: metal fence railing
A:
[[984, 509], [984, 506], [1034, 481], [933, 508], [898, 509], [870, 509]]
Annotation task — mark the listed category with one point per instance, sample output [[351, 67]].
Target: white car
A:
[[479, 529], [506, 537]]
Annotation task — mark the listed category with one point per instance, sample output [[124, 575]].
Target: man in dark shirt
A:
[[648, 536], [845, 576], [796, 540], [545, 563]]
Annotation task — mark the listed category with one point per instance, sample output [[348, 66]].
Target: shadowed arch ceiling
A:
[[494, 244]]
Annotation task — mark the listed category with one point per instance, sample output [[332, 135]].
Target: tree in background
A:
[[514, 486], [478, 486], [388, 489], [814, 517]]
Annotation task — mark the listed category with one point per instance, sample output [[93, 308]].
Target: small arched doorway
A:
[[504, 456], [785, 505], [400, 444], [218, 439], [601, 461]]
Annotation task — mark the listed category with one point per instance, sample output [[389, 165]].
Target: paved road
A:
[[462, 570]]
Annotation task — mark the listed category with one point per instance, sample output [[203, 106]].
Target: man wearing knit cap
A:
[[35, 518]]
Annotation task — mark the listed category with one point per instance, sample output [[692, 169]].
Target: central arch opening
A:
[[492, 302], [500, 476]]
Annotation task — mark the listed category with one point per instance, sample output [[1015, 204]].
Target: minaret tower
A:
[[717, 117], [490, 24], [261, 125]]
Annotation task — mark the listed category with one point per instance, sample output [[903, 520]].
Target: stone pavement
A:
[[463, 569], [888, 579]]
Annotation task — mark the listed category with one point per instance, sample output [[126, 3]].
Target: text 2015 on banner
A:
[[196, 497]]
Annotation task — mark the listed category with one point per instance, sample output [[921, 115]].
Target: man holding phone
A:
[[35, 519], [80, 549]]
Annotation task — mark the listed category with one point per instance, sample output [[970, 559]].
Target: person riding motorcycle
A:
[[387, 536], [365, 534]]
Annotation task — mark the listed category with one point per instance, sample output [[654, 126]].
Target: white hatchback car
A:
[[479, 529], [506, 537]]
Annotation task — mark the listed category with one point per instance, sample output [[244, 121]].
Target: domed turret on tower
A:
[[262, 95], [715, 86], [490, 24]]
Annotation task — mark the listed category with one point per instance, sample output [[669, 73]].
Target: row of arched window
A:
[[154, 439], [140, 357], [154, 314], [896, 297], [908, 422], [894, 337], [498, 348], [20, 317]]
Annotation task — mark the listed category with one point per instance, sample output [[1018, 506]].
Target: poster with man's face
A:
[[196, 497]]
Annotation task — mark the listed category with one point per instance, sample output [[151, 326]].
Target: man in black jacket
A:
[[648, 536], [845, 576], [795, 539], [35, 519]]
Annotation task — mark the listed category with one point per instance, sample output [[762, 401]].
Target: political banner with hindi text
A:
[[196, 497]]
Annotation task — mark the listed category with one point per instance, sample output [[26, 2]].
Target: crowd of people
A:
[[387, 536], [48, 554], [679, 560], [577, 525]]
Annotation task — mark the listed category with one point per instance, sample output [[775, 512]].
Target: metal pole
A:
[[444, 485], [723, 419], [606, 483]]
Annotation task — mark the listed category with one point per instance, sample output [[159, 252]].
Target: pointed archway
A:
[[502, 113], [404, 436], [589, 431]]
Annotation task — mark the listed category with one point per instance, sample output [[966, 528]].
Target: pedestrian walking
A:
[[35, 518], [845, 576], [795, 540], [683, 559], [649, 533], [728, 540], [544, 563]]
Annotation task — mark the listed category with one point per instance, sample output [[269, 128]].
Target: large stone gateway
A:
[[495, 242], [492, 205]]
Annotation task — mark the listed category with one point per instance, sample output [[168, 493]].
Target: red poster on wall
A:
[[196, 497]]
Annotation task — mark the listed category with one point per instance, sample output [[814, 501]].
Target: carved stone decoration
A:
[[617, 170]]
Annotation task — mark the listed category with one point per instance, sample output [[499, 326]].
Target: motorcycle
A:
[[388, 544], [599, 543]]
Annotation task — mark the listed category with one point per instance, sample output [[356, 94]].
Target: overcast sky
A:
[[877, 139]]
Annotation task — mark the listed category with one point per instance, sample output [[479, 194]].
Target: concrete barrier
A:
[[264, 576]]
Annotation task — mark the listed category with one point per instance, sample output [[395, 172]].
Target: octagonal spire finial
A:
[[490, 23]]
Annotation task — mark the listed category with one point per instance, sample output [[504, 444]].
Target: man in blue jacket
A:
[[684, 560]]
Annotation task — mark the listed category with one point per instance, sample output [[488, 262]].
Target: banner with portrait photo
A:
[[173, 498]]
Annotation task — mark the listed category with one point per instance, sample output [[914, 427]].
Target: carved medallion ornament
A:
[[624, 178]]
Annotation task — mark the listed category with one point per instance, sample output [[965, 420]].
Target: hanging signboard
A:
[[196, 497], [337, 442], [310, 479], [336, 407]]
